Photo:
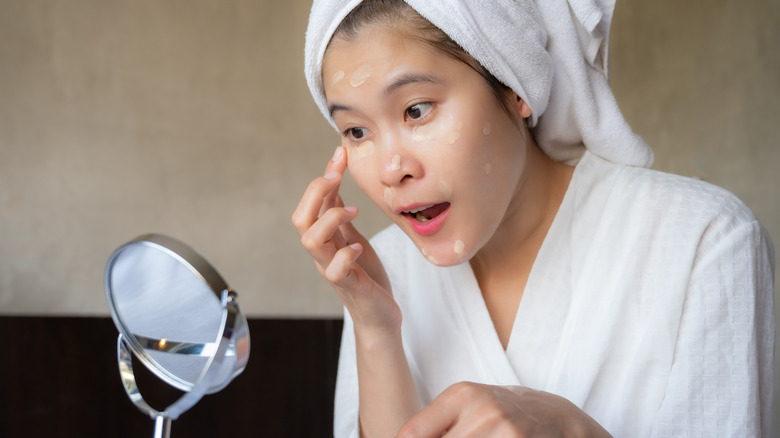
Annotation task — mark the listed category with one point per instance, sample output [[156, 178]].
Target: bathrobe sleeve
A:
[[346, 403], [721, 379]]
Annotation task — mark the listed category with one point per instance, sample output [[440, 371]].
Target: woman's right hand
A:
[[342, 255]]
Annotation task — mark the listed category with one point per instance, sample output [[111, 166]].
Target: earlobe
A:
[[522, 108]]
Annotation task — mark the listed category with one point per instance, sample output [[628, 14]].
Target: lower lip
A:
[[429, 227]]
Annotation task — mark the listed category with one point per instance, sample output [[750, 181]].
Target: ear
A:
[[521, 108]]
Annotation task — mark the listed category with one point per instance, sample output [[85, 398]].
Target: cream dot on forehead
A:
[[360, 75], [396, 163], [365, 149], [339, 75]]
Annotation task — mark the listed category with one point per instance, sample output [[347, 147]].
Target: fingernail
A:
[[331, 175], [337, 154], [355, 246], [351, 209]]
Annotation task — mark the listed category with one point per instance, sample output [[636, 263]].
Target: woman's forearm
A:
[[388, 398]]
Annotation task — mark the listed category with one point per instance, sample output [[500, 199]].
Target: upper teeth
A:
[[417, 210]]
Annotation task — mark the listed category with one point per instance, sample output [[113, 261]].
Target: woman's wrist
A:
[[378, 340]]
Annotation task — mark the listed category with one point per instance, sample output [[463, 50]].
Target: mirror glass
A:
[[177, 316]]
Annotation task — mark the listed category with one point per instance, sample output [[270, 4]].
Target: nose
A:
[[397, 164]]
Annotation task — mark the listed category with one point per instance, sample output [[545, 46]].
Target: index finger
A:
[[319, 195], [336, 164], [435, 419]]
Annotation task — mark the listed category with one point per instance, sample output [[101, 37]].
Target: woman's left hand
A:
[[474, 410]]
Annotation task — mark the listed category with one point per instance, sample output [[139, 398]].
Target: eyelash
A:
[[350, 132], [424, 114]]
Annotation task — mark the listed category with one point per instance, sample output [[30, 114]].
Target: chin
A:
[[442, 257]]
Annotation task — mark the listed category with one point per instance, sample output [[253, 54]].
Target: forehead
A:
[[381, 47]]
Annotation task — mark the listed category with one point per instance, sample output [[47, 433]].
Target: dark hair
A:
[[393, 12]]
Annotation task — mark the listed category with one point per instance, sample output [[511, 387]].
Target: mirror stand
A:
[[161, 292]]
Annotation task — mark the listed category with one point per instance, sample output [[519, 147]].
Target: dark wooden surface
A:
[[59, 378]]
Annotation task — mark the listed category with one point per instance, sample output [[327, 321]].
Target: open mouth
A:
[[424, 214]]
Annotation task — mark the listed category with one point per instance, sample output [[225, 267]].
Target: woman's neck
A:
[[503, 265], [530, 214]]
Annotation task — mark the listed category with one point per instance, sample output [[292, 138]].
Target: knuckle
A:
[[315, 184], [296, 219], [309, 242], [464, 390], [331, 276], [335, 273], [409, 430]]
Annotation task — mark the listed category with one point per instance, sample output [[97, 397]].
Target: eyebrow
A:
[[411, 78]]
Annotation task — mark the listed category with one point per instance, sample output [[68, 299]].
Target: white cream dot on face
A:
[[459, 247], [360, 75], [430, 258], [453, 137], [396, 163], [339, 75], [365, 149], [422, 133], [446, 188], [488, 168], [486, 128], [389, 195]]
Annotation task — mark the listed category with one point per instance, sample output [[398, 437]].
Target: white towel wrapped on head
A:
[[552, 53]]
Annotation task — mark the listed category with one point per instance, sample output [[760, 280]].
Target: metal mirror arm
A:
[[163, 419], [205, 349], [162, 423]]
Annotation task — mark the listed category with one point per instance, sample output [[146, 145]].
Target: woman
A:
[[536, 281]]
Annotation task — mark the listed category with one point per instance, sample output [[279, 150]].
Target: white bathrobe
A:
[[649, 306]]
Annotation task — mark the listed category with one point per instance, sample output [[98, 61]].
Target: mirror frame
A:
[[201, 269]]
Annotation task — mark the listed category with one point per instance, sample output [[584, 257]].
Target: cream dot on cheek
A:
[[486, 129], [360, 75], [453, 137], [445, 188], [396, 163], [389, 196], [365, 149], [422, 133], [459, 247]]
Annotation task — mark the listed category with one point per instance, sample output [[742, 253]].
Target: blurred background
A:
[[192, 118]]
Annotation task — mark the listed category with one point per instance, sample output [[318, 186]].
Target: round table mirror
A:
[[177, 316]]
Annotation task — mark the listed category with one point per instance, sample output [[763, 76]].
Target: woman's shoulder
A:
[[661, 193]]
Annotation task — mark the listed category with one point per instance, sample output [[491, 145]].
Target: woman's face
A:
[[426, 140]]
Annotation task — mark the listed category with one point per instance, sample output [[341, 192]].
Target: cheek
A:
[[361, 171]]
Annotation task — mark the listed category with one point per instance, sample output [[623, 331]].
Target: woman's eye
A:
[[418, 111], [355, 133]]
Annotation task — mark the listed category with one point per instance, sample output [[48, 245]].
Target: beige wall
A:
[[192, 118]]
